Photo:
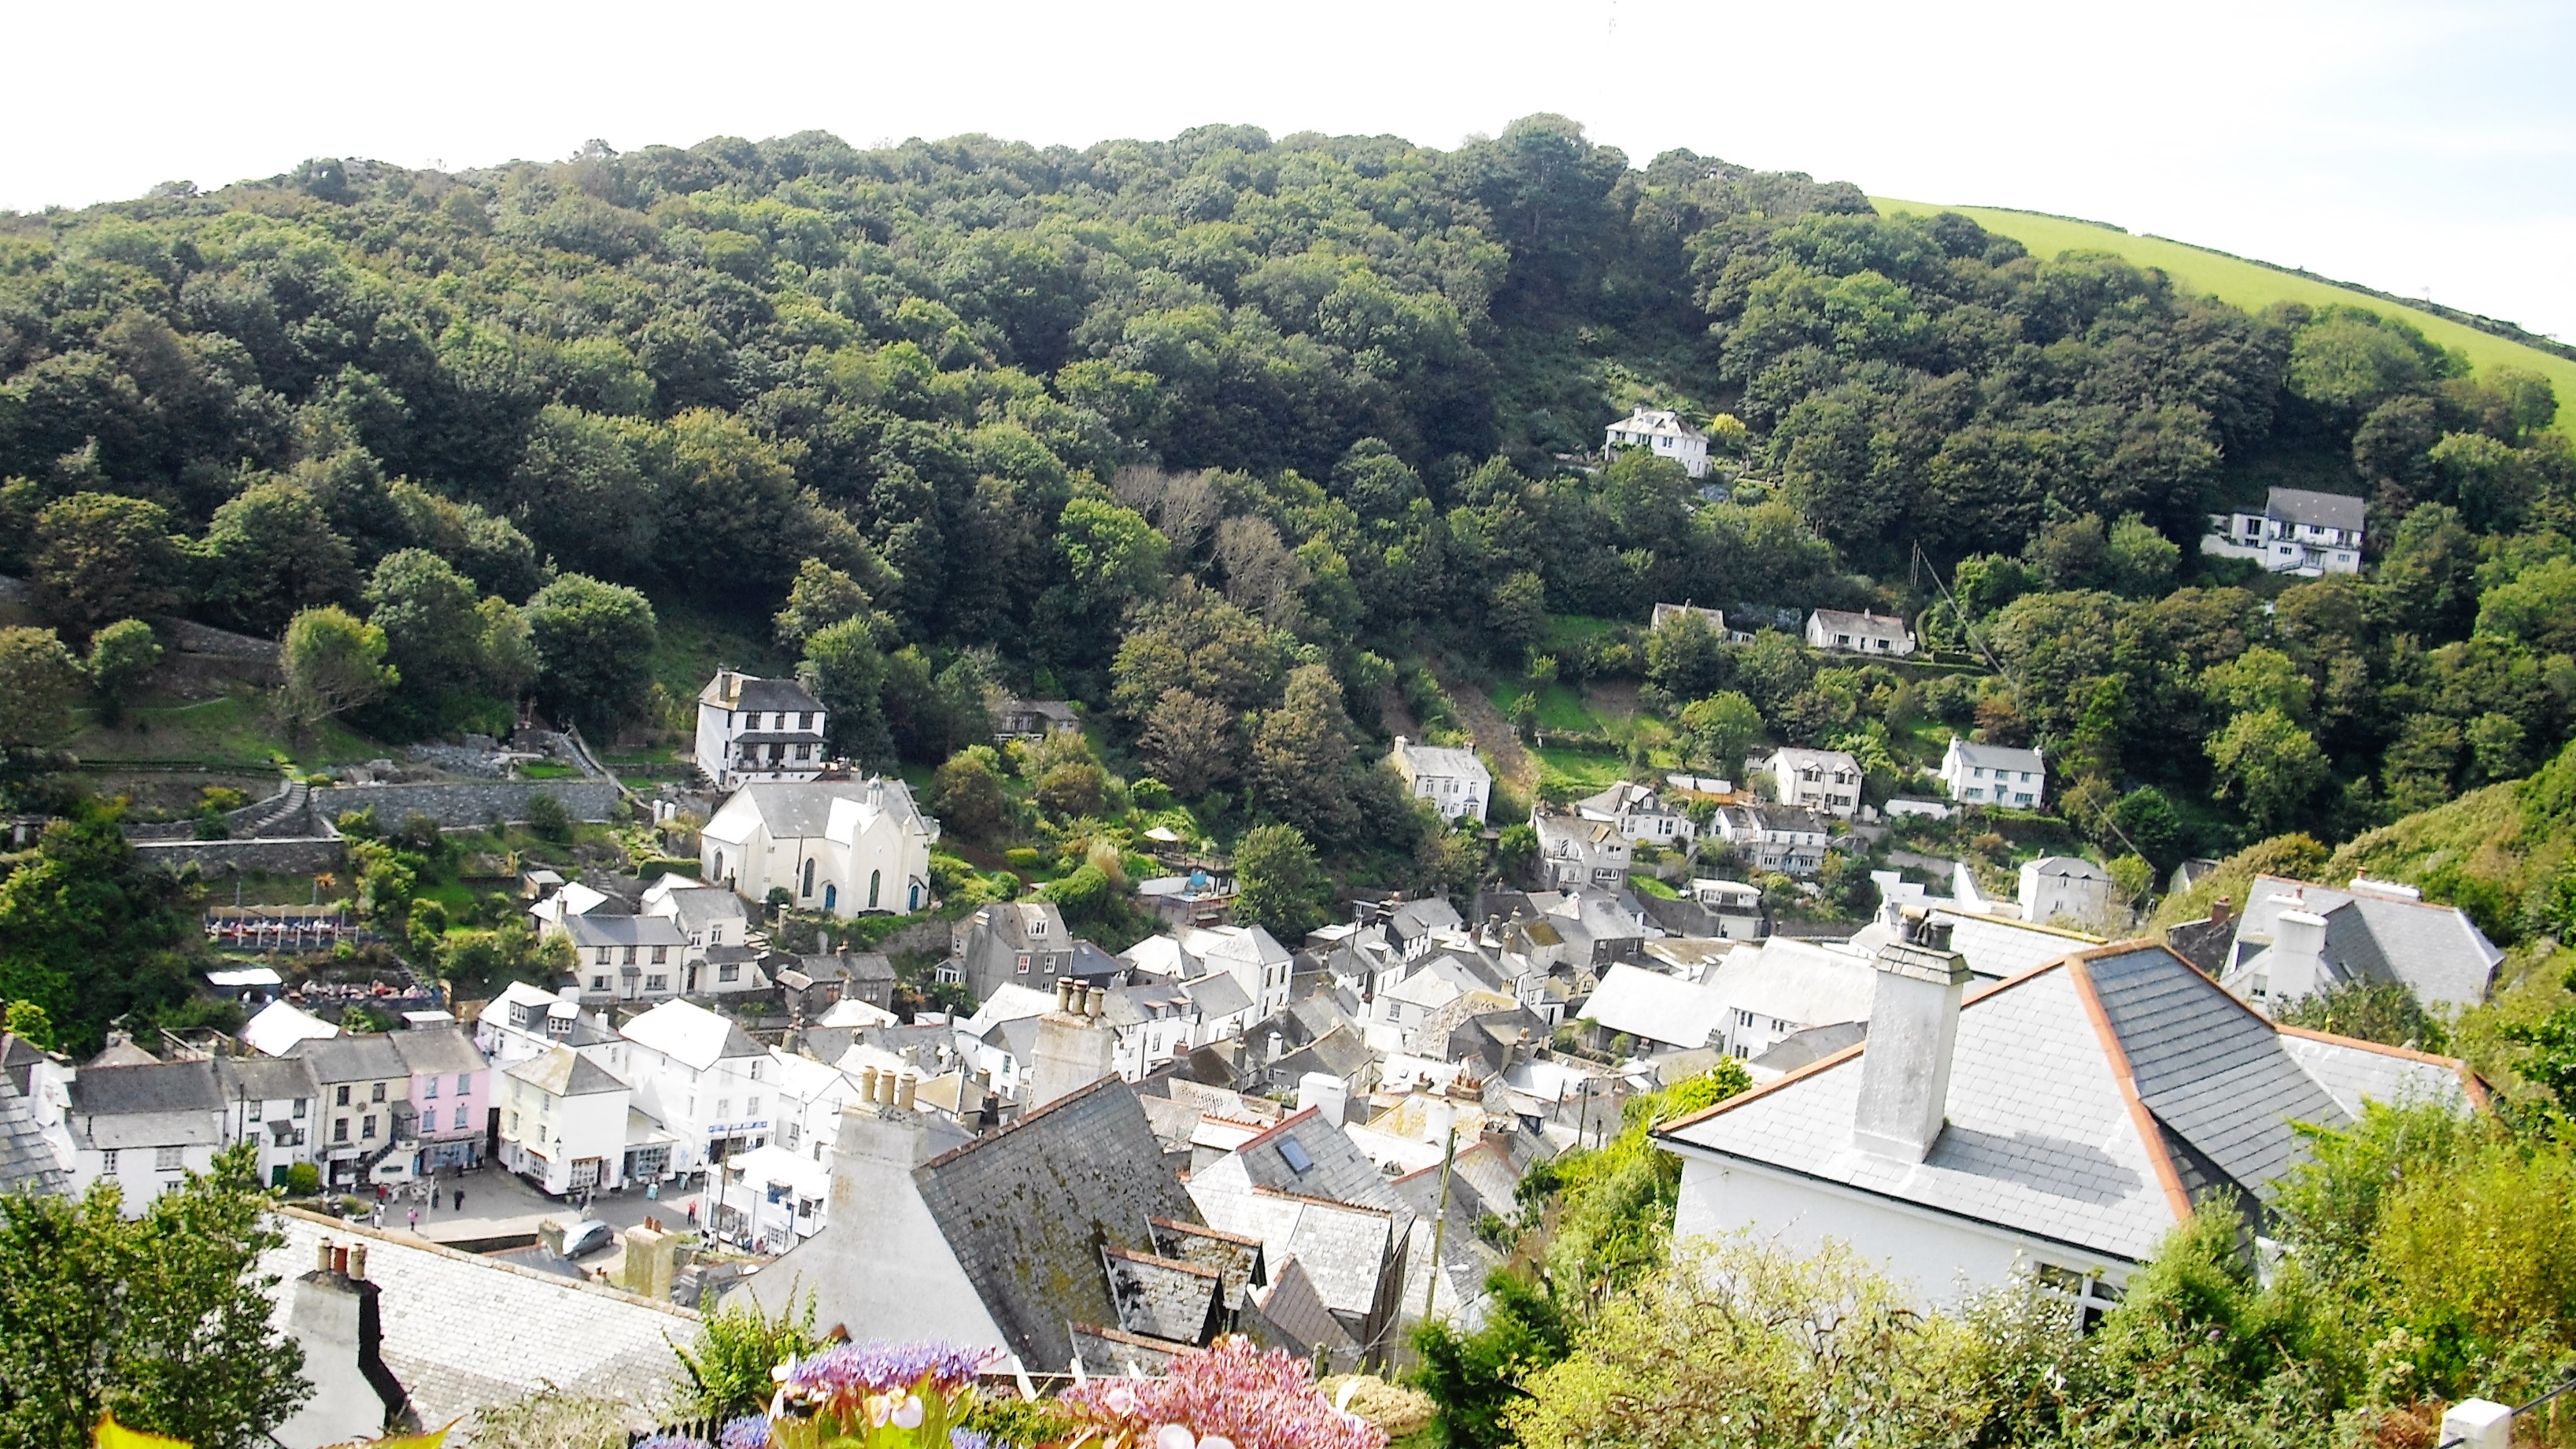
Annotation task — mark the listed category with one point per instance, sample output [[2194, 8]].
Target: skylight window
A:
[[1293, 1152]]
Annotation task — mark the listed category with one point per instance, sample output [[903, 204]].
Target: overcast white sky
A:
[[2414, 146]]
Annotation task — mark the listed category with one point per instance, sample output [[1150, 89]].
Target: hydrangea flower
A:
[[846, 1373], [673, 1441], [1229, 1395], [751, 1431], [968, 1439]]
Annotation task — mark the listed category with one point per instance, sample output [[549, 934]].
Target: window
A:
[[460, 1117], [751, 1105], [343, 1098], [1981, 772], [367, 1128], [107, 1163], [375, 1091], [630, 956], [657, 983], [602, 958], [340, 1130], [787, 1136], [1976, 793], [724, 1108], [169, 1159], [464, 1083], [728, 972], [661, 954], [299, 1109], [1293, 1152], [875, 878], [428, 1088], [1024, 963], [809, 878], [599, 983]]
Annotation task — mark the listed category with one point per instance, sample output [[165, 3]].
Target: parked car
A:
[[585, 1238]]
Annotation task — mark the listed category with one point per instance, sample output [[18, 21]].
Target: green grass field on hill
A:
[[2254, 286]]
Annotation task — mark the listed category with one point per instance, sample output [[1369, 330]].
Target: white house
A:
[[1663, 432], [143, 1127], [525, 1022], [843, 847], [1573, 851], [1454, 781], [758, 729], [1825, 781], [1861, 633], [2295, 532], [1994, 774], [1786, 986], [625, 958], [1249, 956], [717, 958], [2066, 888], [2064, 1121], [1652, 1007], [1639, 812], [270, 1101], [564, 1123], [1775, 837], [703, 1078]]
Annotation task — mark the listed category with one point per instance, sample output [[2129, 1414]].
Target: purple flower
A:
[[852, 1369], [673, 1441], [751, 1431], [968, 1439]]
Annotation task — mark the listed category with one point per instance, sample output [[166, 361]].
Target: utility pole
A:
[[1440, 1223]]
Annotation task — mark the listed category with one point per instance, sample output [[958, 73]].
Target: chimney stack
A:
[[1913, 1032], [2220, 909], [1075, 1048], [1329, 1094], [2295, 966]]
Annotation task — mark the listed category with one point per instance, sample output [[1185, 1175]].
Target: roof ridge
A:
[[1265, 1190], [1182, 1265], [1202, 1230], [1282, 1125], [2150, 1131], [426, 1245], [1067, 1100], [2470, 1081]]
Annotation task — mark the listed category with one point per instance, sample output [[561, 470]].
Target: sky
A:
[[2426, 149]]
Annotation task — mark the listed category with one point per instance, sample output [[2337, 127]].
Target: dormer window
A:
[[1038, 927]]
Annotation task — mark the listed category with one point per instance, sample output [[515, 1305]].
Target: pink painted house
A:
[[451, 1097]]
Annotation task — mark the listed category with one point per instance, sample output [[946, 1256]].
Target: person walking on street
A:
[[415, 1220], [376, 1216], [460, 1199]]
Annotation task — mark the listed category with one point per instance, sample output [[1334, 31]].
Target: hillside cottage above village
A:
[[1994, 774], [1862, 633], [2296, 531], [1665, 434], [758, 729], [1454, 781]]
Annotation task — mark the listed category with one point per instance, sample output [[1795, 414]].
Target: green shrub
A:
[[1023, 857], [548, 818], [303, 1179]]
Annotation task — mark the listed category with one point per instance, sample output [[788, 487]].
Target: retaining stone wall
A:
[[231, 857], [465, 804]]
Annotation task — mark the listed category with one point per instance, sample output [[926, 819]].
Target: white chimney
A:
[[1913, 1031], [1329, 1094], [2295, 966]]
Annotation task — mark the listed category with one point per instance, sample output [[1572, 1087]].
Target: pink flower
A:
[[1229, 1395]]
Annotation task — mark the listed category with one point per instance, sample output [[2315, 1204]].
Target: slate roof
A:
[[463, 1332], [267, 1079], [1295, 1308], [140, 1090], [2091, 1101], [564, 1072], [1655, 1007], [1344, 1249], [1169, 1298], [804, 811], [1439, 760], [863, 966], [438, 1050], [1803, 983], [1028, 1209], [351, 1058], [705, 905], [761, 694], [2377, 935], [1117, 1350], [26, 1163], [596, 929], [1335, 1168], [2070, 867], [1235, 1257], [1864, 625], [2317, 510], [1216, 996]]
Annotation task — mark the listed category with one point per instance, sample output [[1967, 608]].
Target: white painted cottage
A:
[[844, 847], [1665, 434]]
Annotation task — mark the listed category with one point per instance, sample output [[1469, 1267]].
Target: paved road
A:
[[500, 1204]]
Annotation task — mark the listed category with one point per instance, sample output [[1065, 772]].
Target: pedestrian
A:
[[693, 1215], [460, 1199], [415, 1220], [376, 1216]]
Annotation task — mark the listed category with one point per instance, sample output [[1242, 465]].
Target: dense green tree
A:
[[162, 1319], [332, 663], [967, 794], [2269, 766], [1301, 756], [850, 682], [87, 933], [120, 655], [1194, 744], [100, 557], [427, 610], [271, 552], [1721, 728], [39, 680], [821, 597], [594, 645], [1279, 885]]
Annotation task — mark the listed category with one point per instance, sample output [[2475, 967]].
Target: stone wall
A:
[[301, 856], [465, 804]]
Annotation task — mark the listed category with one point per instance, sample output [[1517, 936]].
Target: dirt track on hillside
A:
[[1493, 735]]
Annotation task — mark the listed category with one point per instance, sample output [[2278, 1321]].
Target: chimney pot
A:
[[322, 1256], [1064, 993], [1099, 1000], [885, 1087], [2220, 909], [357, 1262], [340, 1260], [867, 1084], [903, 1090]]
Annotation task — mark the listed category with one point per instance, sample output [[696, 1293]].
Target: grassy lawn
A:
[[2254, 286], [1560, 705], [1593, 772], [235, 731], [1565, 629]]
